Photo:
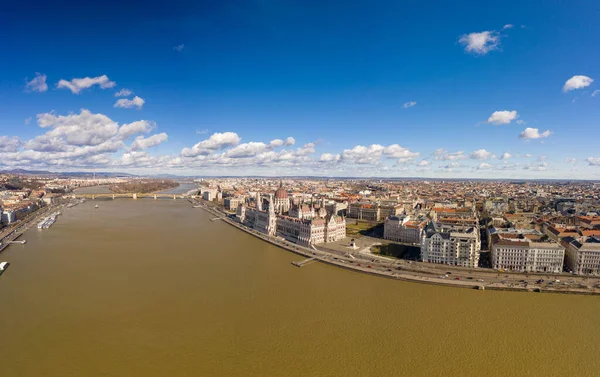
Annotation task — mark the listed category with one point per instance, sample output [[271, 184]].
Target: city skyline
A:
[[462, 91]]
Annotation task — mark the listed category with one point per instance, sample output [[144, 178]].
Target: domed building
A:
[[282, 200]]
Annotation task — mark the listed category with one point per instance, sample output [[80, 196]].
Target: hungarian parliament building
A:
[[302, 224]]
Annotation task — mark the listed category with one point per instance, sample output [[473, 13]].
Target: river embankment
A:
[[385, 268]]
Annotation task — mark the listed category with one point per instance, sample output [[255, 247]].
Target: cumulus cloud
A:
[[37, 84], [289, 141], [276, 143], [215, 142], [74, 140], [444, 155], [409, 104], [520, 121], [505, 156], [593, 161], [484, 166], [481, 154], [137, 127], [141, 143], [577, 82], [502, 117], [363, 155], [179, 48], [247, 150], [423, 163], [508, 26], [570, 160], [480, 43], [329, 157], [534, 133], [9, 144], [450, 166], [77, 85], [541, 166], [129, 103], [396, 151], [123, 93]]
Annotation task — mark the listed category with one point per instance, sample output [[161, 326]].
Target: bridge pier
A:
[[93, 197], [154, 196], [134, 196], [174, 198], [113, 196]]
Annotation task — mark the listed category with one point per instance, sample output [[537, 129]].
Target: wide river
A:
[[154, 288]]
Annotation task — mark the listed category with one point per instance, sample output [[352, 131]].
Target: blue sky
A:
[[386, 88]]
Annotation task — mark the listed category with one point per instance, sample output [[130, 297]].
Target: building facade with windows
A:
[[526, 252], [451, 245]]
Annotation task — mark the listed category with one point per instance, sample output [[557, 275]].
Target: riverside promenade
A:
[[387, 267], [14, 232]]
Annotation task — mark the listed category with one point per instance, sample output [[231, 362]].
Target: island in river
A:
[[143, 186]]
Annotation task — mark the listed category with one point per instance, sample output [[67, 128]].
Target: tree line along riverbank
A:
[[144, 186]]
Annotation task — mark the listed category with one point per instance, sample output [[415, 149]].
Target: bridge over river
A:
[[132, 195]]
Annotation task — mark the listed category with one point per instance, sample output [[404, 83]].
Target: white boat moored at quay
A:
[[3, 266]]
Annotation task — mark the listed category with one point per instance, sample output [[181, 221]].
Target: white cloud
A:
[[451, 166], [129, 103], [9, 144], [396, 151], [423, 163], [123, 93], [481, 154], [75, 140], [444, 155], [85, 128], [480, 43], [202, 131], [289, 141], [276, 143], [363, 155], [409, 104], [502, 117], [215, 142], [596, 92], [484, 166], [329, 157], [505, 156], [594, 161], [508, 26], [137, 127], [306, 149], [520, 121], [37, 84], [540, 166], [577, 82], [77, 85], [28, 120], [179, 48], [144, 143], [570, 160], [250, 149], [534, 133]]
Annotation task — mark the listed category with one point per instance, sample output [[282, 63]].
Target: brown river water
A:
[[154, 288]]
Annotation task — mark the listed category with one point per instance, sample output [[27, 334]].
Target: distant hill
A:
[[65, 174]]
